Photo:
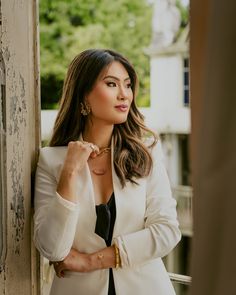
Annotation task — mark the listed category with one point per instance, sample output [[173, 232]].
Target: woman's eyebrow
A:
[[115, 78]]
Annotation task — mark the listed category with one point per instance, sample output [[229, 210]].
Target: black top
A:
[[106, 216]]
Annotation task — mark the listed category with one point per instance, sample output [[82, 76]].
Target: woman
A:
[[104, 214]]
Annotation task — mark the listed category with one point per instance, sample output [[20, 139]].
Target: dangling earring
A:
[[85, 108]]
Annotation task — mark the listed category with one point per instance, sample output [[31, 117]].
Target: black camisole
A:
[[106, 216]]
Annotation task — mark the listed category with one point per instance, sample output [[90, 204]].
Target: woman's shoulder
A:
[[52, 151], [52, 156]]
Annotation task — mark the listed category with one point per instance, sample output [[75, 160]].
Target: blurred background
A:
[[69, 27]]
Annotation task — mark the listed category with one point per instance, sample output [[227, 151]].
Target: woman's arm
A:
[[55, 218], [76, 158], [82, 262], [56, 203], [161, 230]]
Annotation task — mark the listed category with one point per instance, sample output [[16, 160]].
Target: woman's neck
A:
[[101, 136]]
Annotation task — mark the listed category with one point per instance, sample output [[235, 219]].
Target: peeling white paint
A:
[[3, 227], [19, 43]]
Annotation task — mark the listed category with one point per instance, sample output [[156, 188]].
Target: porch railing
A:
[[184, 198]]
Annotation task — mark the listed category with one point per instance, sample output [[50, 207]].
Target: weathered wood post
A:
[[19, 142]]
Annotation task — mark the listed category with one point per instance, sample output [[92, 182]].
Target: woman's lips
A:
[[122, 107]]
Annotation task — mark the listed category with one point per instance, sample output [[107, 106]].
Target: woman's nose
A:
[[123, 94]]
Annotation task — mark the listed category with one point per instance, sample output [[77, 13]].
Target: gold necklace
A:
[[103, 151], [100, 171]]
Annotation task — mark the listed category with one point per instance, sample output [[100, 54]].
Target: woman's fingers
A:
[[78, 153], [93, 147], [95, 150], [59, 269], [83, 146]]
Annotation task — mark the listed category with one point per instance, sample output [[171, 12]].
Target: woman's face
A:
[[111, 96]]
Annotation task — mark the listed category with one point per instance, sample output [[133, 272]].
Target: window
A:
[[186, 82], [185, 173]]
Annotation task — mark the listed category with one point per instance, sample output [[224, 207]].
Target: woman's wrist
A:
[[105, 258], [66, 187]]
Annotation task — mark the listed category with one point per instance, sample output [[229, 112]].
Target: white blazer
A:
[[146, 228]]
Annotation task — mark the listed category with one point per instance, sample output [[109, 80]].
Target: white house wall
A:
[[167, 113]]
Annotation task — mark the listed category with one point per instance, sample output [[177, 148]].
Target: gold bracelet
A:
[[117, 256], [100, 257]]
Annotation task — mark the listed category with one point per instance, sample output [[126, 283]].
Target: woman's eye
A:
[[129, 85], [111, 84]]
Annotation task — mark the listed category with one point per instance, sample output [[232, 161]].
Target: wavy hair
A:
[[132, 158]]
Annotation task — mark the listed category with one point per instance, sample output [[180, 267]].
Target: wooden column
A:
[[213, 85], [19, 144]]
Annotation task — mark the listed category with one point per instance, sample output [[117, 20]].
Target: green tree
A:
[[184, 11], [68, 27]]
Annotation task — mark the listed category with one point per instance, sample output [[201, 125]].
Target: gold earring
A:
[[85, 108]]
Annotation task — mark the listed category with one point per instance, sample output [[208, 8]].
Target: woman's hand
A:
[[74, 261], [77, 156]]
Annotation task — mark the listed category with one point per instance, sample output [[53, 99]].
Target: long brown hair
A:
[[132, 158]]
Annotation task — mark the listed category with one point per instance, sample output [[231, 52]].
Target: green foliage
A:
[[68, 27], [184, 11]]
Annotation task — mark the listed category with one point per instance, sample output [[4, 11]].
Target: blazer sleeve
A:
[[55, 218], [161, 231]]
